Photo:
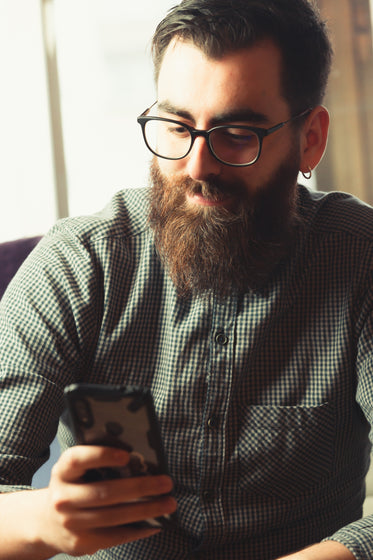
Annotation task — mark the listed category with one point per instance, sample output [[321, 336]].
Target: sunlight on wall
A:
[[27, 196], [106, 82]]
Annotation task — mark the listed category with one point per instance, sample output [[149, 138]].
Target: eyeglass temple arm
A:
[[280, 125], [148, 109]]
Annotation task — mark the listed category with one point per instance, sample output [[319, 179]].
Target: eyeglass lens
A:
[[230, 144]]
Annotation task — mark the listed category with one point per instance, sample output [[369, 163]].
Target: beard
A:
[[212, 248]]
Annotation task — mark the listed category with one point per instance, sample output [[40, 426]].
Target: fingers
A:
[[74, 462], [124, 490], [110, 492], [120, 515], [69, 492]]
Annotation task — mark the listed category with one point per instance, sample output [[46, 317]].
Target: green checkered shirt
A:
[[264, 400]]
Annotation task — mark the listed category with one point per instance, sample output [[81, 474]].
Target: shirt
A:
[[264, 399]]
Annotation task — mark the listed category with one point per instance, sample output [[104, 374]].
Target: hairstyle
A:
[[219, 27]]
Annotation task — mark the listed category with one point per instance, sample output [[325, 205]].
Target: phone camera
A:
[[83, 413]]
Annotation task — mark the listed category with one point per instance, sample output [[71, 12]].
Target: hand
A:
[[80, 518]]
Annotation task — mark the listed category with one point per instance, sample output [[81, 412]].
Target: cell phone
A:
[[122, 417]]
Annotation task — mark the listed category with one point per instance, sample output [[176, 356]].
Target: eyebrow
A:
[[235, 115]]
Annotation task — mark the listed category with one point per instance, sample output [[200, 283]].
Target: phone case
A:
[[118, 416]]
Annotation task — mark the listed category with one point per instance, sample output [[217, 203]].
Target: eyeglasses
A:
[[235, 145]]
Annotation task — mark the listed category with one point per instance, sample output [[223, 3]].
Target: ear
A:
[[314, 138]]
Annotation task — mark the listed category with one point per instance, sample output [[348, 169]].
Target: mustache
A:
[[214, 189]]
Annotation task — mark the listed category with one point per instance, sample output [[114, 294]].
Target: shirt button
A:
[[213, 422], [221, 339], [208, 495]]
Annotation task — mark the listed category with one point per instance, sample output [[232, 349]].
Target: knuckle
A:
[[67, 523], [71, 462], [66, 462], [101, 493], [59, 500]]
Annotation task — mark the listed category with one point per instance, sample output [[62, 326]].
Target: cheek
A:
[[169, 167], [250, 179], [275, 154]]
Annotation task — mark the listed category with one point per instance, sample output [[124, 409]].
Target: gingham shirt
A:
[[264, 400]]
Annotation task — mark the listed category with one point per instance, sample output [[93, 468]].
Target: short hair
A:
[[219, 27]]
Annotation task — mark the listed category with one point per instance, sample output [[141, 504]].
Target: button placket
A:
[[218, 394]]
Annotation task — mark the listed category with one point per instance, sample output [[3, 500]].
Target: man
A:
[[241, 299]]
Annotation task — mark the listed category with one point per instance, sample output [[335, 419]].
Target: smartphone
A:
[[122, 417]]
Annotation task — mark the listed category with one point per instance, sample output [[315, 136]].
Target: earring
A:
[[307, 174]]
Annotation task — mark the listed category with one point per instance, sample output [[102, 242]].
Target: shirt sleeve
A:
[[358, 536], [48, 318]]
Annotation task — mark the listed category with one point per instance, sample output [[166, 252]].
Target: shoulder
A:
[[335, 213], [79, 247], [121, 224], [124, 216], [78, 254]]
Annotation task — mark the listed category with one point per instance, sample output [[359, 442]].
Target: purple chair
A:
[[12, 255]]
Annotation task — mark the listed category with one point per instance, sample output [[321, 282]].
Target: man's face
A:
[[220, 226]]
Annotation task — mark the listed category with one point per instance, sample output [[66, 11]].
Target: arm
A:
[[49, 328], [329, 550], [80, 518]]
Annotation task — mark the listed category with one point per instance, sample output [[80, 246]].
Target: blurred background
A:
[[77, 73]]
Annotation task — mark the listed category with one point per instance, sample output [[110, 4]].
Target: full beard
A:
[[217, 249]]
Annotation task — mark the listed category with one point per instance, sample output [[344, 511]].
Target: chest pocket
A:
[[285, 451]]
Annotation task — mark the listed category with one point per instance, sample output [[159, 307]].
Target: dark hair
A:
[[219, 27]]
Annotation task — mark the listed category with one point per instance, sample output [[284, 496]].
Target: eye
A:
[[238, 135], [177, 130]]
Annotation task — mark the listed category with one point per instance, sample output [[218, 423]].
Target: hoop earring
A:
[[307, 174]]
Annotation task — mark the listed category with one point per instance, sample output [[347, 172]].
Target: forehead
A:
[[246, 79]]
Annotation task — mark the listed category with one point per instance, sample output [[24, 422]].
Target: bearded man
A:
[[242, 299]]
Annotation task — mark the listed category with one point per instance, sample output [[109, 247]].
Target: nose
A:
[[201, 164]]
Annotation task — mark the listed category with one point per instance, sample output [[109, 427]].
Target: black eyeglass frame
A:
[[261, 133]]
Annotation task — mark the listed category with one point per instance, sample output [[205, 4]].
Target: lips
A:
[[209, 195], [199, 198]]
